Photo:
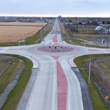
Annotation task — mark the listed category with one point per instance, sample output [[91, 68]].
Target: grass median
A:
[[97, 102], [16, 93]]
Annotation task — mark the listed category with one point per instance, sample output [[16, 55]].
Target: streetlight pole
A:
[[89, 69], [84, 43], [108, 39]]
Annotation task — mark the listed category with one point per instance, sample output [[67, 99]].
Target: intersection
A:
[[56, 86]]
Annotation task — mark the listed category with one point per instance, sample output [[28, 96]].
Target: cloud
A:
[[55, 7]]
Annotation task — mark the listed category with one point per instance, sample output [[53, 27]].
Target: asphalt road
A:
[[46, 89]]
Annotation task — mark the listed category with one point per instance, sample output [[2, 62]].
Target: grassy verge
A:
[[96, 46], [32, 40], [5, 78], [16, 93], [64, 35], [9, 44], [96, 99], [39, 41], [76, 41]]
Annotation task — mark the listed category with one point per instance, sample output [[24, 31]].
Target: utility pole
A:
[[41, 34], [89, 69], [24, 38], [108, 39], [84, 42]]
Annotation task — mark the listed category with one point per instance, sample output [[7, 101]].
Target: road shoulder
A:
[[26, 95]]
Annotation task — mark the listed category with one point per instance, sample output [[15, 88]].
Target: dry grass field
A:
[[22, 24], [13, 32]]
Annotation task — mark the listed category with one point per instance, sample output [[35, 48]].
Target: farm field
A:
[[105, 25], [13, 32], [22, 24]]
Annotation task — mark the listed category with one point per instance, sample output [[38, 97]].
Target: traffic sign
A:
[[74, 57], [106, 97]]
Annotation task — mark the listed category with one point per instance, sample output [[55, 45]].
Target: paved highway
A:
[[43, 95], [56, 86]]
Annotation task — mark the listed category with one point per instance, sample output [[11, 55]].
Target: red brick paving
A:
[[61, 86]]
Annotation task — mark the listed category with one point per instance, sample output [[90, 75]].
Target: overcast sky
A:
[[86, 8]]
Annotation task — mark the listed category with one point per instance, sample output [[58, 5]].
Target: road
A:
[[56, 86]]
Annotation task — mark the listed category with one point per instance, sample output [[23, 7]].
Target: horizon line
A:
[[41, 15]]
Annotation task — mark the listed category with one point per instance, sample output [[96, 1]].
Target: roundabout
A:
[[55, 85], [56, 49]]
